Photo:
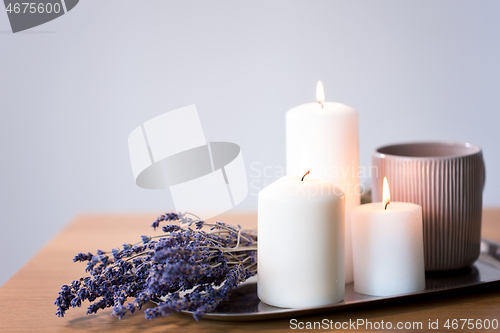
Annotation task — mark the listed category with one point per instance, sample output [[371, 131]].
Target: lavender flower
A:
[[204, 266], [83, 257]]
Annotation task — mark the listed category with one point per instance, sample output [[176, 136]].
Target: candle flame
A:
[[320, 92], [386, 195]]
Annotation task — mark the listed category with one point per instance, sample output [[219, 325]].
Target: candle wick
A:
[[321, 105], [305, 175], [388, 202]]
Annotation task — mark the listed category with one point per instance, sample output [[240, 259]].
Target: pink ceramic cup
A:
[[447, 180]]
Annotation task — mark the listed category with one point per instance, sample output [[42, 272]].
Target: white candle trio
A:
[[305, 253]]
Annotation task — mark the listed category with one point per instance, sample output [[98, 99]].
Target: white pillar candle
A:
[[301, 243], [323, 137], [388, 247]]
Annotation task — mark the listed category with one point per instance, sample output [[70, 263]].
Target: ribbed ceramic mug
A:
[[447, 180]]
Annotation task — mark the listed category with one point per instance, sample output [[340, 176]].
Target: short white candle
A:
[[388, 247], [323, 137], [301, 243]]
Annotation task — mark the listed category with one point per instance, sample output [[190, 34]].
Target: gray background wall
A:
[[73, 89]]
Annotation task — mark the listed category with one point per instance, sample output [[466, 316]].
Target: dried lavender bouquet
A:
[[188, 269]]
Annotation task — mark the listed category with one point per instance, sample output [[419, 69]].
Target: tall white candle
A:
[[301, 243], [323, 137], [388, 248]]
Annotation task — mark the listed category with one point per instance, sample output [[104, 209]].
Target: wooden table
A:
[[26, 300]]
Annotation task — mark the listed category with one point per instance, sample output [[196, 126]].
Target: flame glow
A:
[[386, 195], [320, 92]]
